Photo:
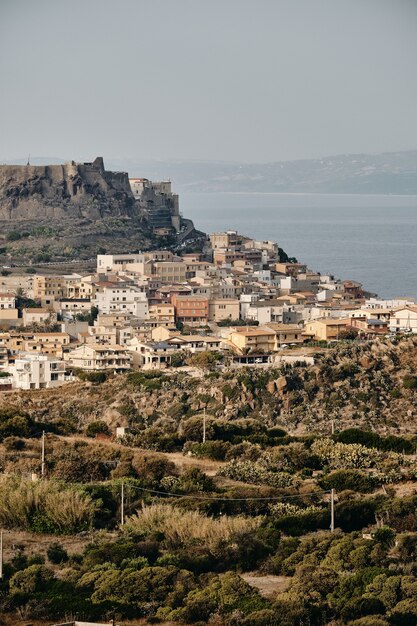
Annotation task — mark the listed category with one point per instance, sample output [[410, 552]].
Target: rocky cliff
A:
[[87, 190], [70, 212]]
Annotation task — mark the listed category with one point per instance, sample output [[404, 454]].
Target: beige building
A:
[[328, 329], [228, 239], [38, 316], [96, 357], [163, 314], [47, 289], [170, 271], [45, 343], [253, 339], [286, 334], [224, 309]]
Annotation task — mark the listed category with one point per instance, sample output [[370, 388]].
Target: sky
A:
[[226, 80]]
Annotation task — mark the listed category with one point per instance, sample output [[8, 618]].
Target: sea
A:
[[368, 238]]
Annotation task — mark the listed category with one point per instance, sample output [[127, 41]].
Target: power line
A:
[[195, 497]]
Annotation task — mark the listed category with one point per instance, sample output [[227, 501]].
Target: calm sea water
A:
[[372, 239]]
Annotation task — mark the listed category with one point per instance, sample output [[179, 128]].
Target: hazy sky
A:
[[248, 80]]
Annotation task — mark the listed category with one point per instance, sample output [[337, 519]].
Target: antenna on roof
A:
[[28, 163]]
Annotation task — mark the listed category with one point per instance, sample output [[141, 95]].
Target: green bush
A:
[[351, 479], [56, 553], [410, 382], [97, 427], [215, 450], [92, 377], [13, 235]]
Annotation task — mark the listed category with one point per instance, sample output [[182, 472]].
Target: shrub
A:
[[352, 480], [93, 377], [410, 382], [44, 507], [56, 553], [14, 443], [13, 235], [215, 450], [256, 473], [31, 580], [353, 515], [185, 528], [97, 427]]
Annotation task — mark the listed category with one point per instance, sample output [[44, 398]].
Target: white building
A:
[[37, 371], [404, 320], [122, 299], [7, 301], [117, 262]]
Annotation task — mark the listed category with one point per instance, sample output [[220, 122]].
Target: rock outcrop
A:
[[80, 190]]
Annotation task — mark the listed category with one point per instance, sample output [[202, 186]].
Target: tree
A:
[[205, 361], [31, 580]]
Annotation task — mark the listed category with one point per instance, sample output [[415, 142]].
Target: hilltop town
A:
[[237, 302], [199, 419], [210, 432]]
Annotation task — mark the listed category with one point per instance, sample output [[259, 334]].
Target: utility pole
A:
[[1, 554], [332, 511], [204, 425], [332, 427], [122, 506], [43, 455]]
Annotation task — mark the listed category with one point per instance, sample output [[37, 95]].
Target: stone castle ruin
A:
[[84, 207]]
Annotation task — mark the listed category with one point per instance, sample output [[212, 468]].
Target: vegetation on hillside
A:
[[199, 516]]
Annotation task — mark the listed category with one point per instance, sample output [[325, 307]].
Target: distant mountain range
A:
[[385, 173]]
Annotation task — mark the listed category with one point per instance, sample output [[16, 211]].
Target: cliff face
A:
[[80, 190]]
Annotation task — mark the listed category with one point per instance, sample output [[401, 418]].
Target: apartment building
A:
[[328, 329], [47, 289], [69, 307], [404, 320], [97, 357], [162, 314], [224, 309], [253, 339], [122, 298], [37, 371], [191, 310]]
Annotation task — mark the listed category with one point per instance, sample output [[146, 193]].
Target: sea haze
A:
[[369, 238]]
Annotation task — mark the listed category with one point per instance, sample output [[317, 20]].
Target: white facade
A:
[[404, 320], [122, 299], [37, 371], [117, 262], [7, 301]]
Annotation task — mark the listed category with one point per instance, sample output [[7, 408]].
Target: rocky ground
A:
[[360, 385]]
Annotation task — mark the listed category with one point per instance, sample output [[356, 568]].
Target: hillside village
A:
[[153, 310]]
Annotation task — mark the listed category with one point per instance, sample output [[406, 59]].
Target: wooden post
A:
[[43, 455], [1, 554], [122, 506], [204, 425], [332, 511]]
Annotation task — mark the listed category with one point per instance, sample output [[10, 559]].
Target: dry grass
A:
[[184, 528], [268, 586], [21, 500]]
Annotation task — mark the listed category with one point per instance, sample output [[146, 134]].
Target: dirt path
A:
[[31, 543], [184, 461], [268, 586]]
